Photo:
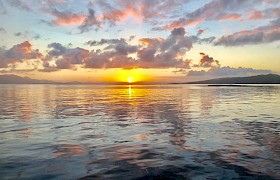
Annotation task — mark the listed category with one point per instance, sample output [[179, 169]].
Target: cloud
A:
[[207, 61], [64, 57], [67, 18], [264, 14], [149, 53], [221, 10], [2, 8], [165, 53], [214, 69], [158, 29], [228, 71], [90, 21], [126, 9], [28, 34], [53, 2], [2, 30], [104, 42], [114, 55], [21, 34], [157, 9], [200, 31], [17, 54], [144, 10], [263, 34], [207, 40], [214, 10], [131, 37], [112, 12], [36, 36], [20, 4]]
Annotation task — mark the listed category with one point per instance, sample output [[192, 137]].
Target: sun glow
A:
[[129, 76], [130, 79]]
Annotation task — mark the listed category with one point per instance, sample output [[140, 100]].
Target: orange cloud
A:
[[115, 15], [255, 15], [149, 41], [66, 18], [24, 47], [233, 17], [265, 14], [72, 19], [18, 53]]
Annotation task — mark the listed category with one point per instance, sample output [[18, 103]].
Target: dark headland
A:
[[238, 81]]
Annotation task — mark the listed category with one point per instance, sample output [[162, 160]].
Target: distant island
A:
[[14, 79], [232, 81], [259, 79]]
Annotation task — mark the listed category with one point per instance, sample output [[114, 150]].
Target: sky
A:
[[139, 40]]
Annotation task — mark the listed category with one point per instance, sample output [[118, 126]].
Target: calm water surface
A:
[[134, 132]]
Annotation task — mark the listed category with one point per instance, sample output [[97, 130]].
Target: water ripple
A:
[[139, 132]]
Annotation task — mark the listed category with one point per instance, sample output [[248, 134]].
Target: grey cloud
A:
[[29, 34], [36, 36], [19, 4], [166, 53], [21, 34], [208, 40], [131, 37], [104, 41], [150, 53], [42, 21], [120, 46], [65, 57], [18, 34], [178, 32], [90, 21], [57, 49], [214, 10], [63, 64], [2, 8], [147, 54], [158, 29], [2, 30], [263, 34]]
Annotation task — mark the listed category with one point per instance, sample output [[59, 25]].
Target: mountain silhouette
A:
[[14, 79], [259, 79]]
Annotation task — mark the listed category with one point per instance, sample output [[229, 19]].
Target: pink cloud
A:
[[232, 17], [72, 19], [67, 18], [126, 11], [213, 10], [255, 15], [264, 14], [18, 53]]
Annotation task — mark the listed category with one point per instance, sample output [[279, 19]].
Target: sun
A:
[[130, 79]]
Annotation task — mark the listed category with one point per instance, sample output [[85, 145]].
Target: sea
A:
[[167, 131]]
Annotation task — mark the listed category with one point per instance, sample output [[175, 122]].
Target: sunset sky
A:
[[140, 40]]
